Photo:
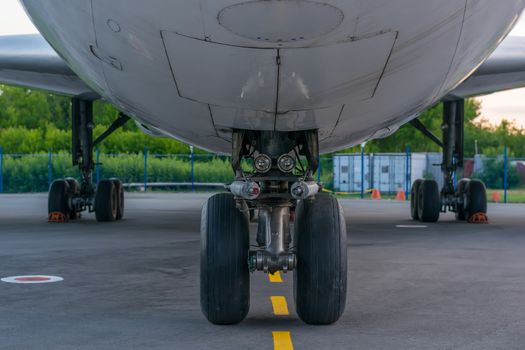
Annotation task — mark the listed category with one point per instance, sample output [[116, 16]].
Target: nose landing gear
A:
[[279, 188]]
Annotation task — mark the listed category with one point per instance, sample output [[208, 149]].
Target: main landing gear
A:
[[468, 198], [68, 198], [279, 186]]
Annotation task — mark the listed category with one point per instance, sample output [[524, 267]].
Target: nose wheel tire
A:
[[106, 201], [320, 276], [428, 201], [225, 277]]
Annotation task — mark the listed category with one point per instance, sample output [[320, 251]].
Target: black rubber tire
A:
[[476, 198], [461, 190], [225, 277], [58, 200], [120, 198], [428, 201], [74, 190], [321, 273], [413, 199], [106, 201]]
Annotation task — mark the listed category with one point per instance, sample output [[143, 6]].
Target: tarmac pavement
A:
[[134, 284]]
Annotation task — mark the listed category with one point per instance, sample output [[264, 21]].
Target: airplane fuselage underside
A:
[[352, 69]]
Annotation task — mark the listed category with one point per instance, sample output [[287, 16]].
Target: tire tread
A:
[[225, 278], [321, 274]]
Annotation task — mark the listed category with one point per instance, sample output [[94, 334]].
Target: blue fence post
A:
[[50, 167], [192, 158], [408, 176], [145, 169], [1, 170], [362, 171], [505, 174], [97, 167], [319, 169]]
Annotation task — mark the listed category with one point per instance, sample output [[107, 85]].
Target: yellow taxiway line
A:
[[282, 341], [275, 277], [280, 307]]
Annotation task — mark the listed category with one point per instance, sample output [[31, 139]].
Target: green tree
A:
[[492, 174], [490, 139]]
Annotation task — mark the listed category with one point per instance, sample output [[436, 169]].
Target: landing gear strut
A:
[[279, 186], [68, 198], [468, 197]]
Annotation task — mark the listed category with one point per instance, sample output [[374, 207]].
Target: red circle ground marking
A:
[[32, 279]]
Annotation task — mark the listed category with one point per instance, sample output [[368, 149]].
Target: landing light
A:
[[262, 163], [286, 163]]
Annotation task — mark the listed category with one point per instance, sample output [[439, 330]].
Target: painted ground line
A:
[[280, 306], [32, 279], [282, 340], [411, 226], [276, 277]]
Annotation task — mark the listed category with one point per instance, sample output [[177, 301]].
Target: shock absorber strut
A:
[[274, 226]]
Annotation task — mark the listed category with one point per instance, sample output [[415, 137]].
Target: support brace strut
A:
[[416, 123]]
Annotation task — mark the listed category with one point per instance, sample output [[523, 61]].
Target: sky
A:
[[504, 105]]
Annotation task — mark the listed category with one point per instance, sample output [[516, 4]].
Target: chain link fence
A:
[[347, 174]]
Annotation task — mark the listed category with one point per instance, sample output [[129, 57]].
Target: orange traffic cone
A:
[[401, 196], [376, 194], [496, 197]]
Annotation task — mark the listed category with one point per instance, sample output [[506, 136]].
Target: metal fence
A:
[[35, 172], [355, 173], [348, 173], [392, 173]]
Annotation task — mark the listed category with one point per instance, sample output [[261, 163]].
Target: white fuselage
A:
[[196, 69]]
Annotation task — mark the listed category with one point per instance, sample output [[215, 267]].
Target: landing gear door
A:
[[223, 75], [320, 77]]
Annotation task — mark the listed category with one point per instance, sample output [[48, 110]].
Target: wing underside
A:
[[503, 70], [29, 61]]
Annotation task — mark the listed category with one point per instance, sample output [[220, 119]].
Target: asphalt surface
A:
[[135, 284]]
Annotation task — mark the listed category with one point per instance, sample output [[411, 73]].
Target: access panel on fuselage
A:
[[337, 74], [223, 75]]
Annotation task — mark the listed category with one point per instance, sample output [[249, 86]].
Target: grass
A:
[[513, 196]]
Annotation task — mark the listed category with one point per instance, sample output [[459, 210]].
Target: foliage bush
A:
[[492, 174], [30, 173], [20, 140]]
